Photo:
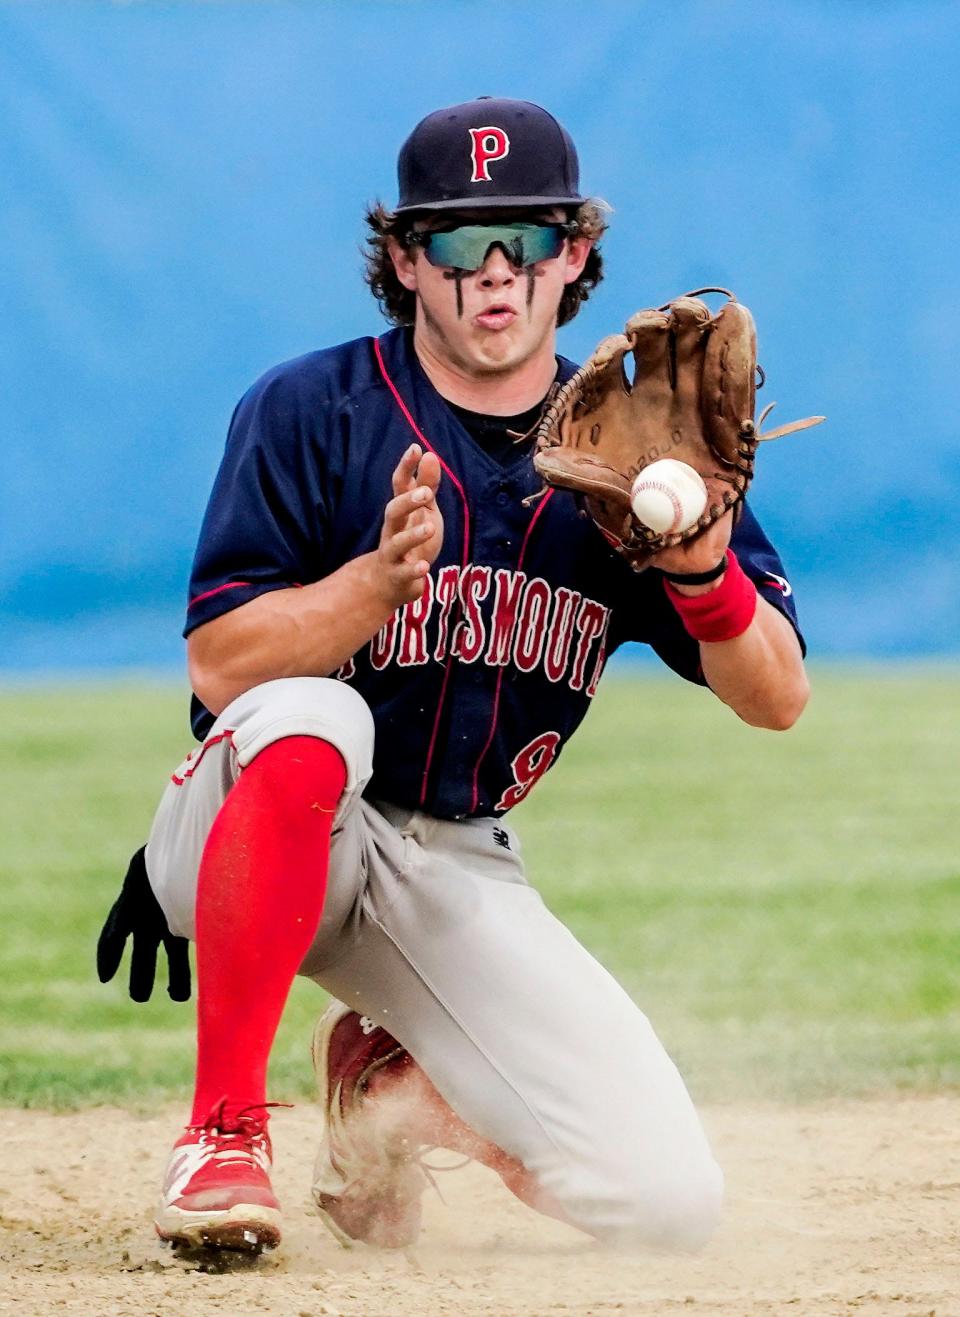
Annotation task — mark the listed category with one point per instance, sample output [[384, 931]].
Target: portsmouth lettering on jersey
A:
[[476, 686], [497, 616]]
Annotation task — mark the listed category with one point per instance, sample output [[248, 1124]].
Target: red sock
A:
[[434, 1123], [260, 895], [443, 1128]]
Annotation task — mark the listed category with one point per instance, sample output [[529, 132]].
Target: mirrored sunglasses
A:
[[467, 246]]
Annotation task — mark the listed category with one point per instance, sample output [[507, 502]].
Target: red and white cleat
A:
[[217, 1193], [368, 1180]]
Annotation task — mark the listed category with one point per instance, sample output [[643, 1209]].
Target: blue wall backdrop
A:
[[182, 186]]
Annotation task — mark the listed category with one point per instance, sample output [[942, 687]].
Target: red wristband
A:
[[721, 614]]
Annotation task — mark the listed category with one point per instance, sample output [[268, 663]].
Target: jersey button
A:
[[502, 499]]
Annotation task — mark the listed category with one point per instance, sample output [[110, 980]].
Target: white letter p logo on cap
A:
[[488, 144]]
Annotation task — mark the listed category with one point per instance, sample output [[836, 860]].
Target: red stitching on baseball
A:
[[664, 489]]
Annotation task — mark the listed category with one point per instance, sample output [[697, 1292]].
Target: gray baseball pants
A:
[[431, 929]]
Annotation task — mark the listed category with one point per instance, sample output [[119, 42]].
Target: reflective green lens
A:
[[467, 247]]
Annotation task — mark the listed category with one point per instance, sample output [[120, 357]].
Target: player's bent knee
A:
[[304, 706], [679, 1214], [683, 1215]]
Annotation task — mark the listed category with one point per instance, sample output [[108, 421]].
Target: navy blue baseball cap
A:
[[488, 152]]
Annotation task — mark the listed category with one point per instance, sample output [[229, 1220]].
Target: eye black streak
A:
[[457, 276]]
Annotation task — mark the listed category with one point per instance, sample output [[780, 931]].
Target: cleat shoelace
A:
[[355, 1155], [246, 1143]]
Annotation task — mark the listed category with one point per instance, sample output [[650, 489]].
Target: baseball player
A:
[[390, 644]]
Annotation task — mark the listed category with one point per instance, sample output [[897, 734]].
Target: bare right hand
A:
[[412, 527]]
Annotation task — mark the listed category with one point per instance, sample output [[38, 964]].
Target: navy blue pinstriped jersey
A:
[[475, 687]]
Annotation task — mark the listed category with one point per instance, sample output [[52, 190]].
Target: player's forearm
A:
[[760, 673], [306, 632]]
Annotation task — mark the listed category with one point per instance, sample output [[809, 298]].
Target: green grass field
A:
[[784, 907]]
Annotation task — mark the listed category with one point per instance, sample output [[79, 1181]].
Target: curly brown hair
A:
[[398, 304]]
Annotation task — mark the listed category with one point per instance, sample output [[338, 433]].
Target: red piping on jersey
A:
[[207, 594], [465, 555], [427, 444], [496, 692], [232, 585]]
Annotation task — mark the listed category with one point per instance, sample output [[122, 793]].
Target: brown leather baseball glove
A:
[[691, 397]]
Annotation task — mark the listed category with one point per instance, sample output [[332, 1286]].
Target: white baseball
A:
[[668, 496]]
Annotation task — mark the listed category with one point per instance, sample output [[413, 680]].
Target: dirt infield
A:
[[843, 1208]]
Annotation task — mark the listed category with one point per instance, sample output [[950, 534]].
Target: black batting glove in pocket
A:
[[136, 914]]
